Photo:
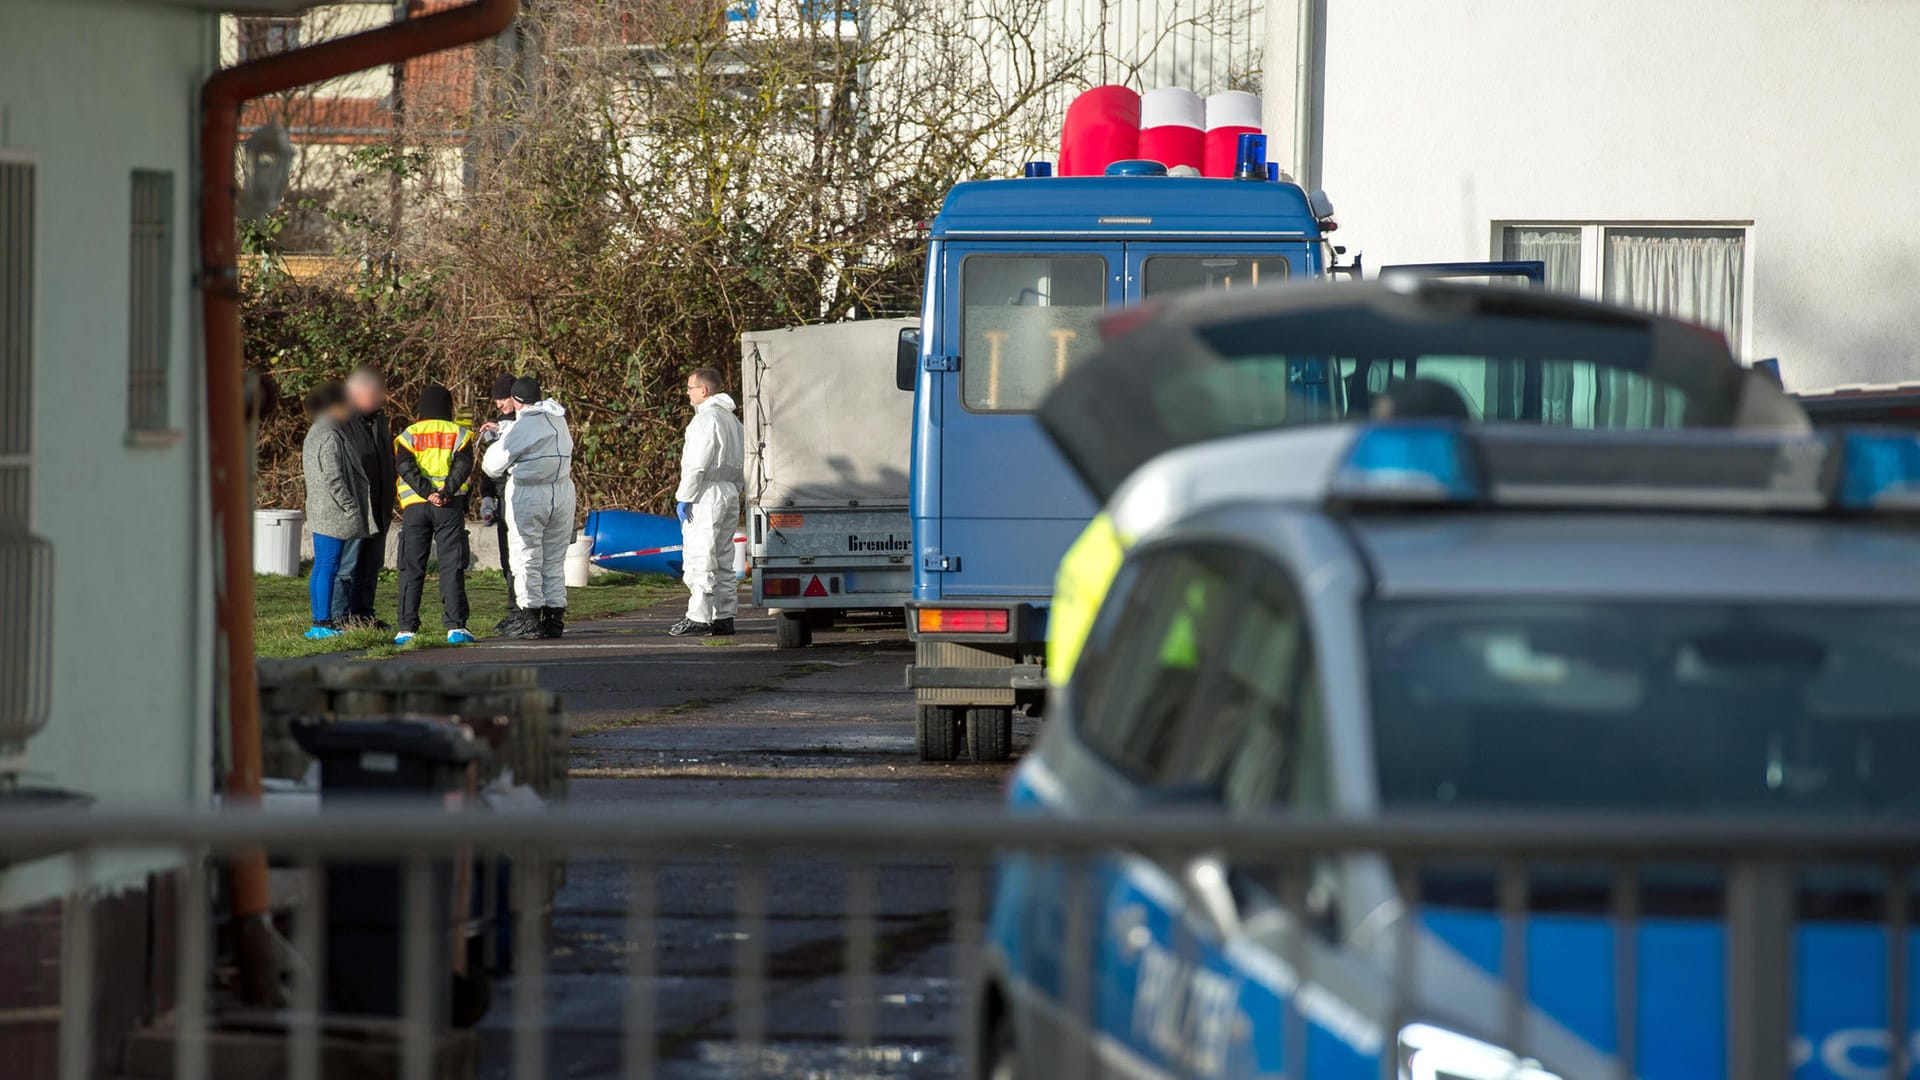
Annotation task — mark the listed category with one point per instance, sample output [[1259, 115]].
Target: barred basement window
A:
[[150, 303], [16, 339]]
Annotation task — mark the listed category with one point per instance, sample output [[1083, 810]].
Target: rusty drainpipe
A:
[[227, 442]]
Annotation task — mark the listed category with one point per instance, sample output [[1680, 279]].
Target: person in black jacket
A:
[[491, 490], [434, 457], [371, 439]]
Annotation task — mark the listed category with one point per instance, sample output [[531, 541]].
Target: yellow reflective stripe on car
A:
[[1078, 589]]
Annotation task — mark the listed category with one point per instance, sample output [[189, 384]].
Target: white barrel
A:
[[740, 553], [579, 566], [1233, 108], [276, 542]]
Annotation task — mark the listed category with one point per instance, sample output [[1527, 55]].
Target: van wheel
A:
[[940, 732], [791, 631], [990, 734]]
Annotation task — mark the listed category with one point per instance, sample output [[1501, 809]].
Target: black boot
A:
[[524, 623], [553, 622], [723, 627]]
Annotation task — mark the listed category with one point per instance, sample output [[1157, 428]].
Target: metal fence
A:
[[1759, 869]]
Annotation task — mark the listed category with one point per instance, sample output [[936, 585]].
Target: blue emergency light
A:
[[1408, 463], [1880, 470], [1250, 157], [1039, 170], [1136, 167]]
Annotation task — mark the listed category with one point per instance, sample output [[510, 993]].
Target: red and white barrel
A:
[[1103, 126], [1173, 124], [1230, 114]]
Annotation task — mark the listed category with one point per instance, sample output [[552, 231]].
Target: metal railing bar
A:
[[76, 971], [366, 830], [1077, 945], [1513, 954], [491, 917], [750, 960], [1623, 902], [967, 928], [1759, 970], [1406, 958], [190, 992], [417, 1026], [858, 985], [529, 961], [309, 977], [1899, 920], [1292, 894], [638, 1051]]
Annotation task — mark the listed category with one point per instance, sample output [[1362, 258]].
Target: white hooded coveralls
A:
[[712, 470], [536, 457]]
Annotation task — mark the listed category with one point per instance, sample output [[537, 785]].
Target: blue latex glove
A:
[[684, 512]]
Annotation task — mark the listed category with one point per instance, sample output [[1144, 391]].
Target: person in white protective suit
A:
[[712, 470], [535, 456]]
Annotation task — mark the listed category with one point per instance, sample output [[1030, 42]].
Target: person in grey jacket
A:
[[339, 508]]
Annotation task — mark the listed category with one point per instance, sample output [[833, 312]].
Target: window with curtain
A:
[[1691, 272], [1558, 247]]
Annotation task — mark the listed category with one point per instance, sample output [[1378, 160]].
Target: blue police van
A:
[[1020, 274]]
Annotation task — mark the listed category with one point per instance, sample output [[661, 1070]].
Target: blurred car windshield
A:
[[1646, 706]]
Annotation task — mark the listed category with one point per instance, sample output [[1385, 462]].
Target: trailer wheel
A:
[[990, 734], [940, 730], [791, 631]]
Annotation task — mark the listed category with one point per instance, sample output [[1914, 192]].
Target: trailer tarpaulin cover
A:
[[826, 425]]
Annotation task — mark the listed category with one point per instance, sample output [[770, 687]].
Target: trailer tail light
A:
[[781, 586], [962, 621]]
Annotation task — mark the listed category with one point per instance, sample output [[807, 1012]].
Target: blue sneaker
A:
[[460, 637], [403, 637], [320, 633]]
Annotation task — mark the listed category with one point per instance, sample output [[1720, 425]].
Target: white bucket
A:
[[740, 554], [276, 542], [579, 566]]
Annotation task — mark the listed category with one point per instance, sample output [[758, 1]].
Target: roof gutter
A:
[[228, 447]]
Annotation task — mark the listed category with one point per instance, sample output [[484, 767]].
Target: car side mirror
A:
[[906, 360]]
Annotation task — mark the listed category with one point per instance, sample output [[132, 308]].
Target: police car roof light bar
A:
[[1517, 466]]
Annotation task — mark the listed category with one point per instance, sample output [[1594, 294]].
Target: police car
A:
[[1427, 618]]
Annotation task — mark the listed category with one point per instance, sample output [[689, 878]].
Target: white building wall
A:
[[1440, 120], [94, 90]]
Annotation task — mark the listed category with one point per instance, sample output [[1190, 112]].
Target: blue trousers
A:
[[331, 579]]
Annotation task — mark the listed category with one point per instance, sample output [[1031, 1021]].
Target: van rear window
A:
[[1025, 320]]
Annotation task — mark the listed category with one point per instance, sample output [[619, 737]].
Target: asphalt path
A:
[[759, 731]]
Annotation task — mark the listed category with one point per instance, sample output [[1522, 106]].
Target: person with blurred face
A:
[[339, 507], [371, 437]]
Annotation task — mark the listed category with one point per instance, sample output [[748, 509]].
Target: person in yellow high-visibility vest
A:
[[434, 458]]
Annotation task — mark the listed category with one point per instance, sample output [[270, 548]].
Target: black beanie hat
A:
[[436, 403], [502, 387], [526, 390]]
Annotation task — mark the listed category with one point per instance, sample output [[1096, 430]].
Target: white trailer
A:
[[829, 438]]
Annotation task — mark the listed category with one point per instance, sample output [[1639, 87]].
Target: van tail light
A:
[[962, 621]]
